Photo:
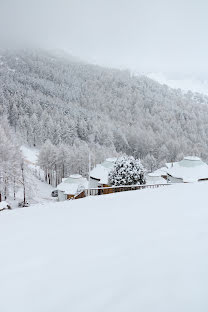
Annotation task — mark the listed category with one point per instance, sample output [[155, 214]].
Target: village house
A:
[[72, 188], [159, 176], [99, 174], [190, 169]]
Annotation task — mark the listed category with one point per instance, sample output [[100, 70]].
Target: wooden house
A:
[[72, 188], [99, 174]]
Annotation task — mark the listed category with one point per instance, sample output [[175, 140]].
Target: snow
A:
[[40, 191], [69, 188], [169, 165], [159, 172], [192, 158], [100, 173], [189, 169], [3, 205], [30, 154], [185, 83], [76, 179], [75, 176], [155, 177], [72, 185], [134, 251]]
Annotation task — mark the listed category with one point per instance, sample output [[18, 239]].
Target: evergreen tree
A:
[[127, 171]]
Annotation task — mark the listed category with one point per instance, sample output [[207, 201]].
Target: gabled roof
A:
[[191, 168]]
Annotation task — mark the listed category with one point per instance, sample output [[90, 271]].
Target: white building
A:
[[72, 187], [158, 176], [99, 174], [190, 169]]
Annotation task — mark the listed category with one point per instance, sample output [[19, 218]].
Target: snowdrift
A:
[[135, 251]]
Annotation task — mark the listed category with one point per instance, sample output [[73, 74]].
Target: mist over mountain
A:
[[51, 96], [186, 82]]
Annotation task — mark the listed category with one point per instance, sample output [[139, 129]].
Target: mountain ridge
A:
[[66, 101]]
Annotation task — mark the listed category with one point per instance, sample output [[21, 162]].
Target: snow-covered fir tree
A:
[[127, 171]]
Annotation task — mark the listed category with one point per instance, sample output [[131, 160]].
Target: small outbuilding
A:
[[190, 169], [99, 174], [72, 188], [156, 177]]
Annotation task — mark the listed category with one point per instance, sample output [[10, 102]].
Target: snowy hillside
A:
[[135, 251], [40, 190], [86, 106]]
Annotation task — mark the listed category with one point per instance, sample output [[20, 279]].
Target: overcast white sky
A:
[[144, 35]]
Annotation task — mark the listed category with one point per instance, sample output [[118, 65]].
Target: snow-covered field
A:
[[135, 251]]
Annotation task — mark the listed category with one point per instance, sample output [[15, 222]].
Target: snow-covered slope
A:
[[30, 154], [134, 251], [39, 191]]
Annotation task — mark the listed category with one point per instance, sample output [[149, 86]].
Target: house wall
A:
[[155, 180], [94, 183], [61, 196]]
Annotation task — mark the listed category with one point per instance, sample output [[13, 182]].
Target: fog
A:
[[143, 35]]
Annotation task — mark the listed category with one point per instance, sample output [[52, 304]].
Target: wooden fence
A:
[[116, 189]]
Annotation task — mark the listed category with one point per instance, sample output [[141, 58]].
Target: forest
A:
[[68, 108]]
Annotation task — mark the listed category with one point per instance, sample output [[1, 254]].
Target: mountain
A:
[[49, 96], [184, 83]]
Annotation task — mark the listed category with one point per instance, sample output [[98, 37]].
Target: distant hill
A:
[[48, 96]]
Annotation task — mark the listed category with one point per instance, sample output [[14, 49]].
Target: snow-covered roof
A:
[[77, 179], [189, 169], [70, 188], [3, 205], [101, 171], [191, 158], [159, 172], [155, 180], [72, 185]]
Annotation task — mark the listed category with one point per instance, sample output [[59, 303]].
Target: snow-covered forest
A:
[[13, 171], [77, 106]]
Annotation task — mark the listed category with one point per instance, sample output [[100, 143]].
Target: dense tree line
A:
[[63, 160], [65, 101], [13, 171]]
